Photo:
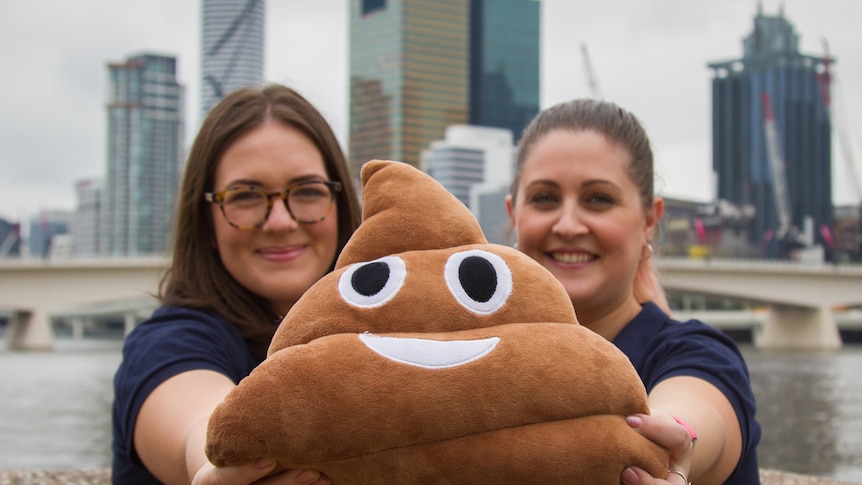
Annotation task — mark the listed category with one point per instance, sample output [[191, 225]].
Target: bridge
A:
[[35, 292], [801, 298]]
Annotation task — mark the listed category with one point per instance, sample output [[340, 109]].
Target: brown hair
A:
[[621, 128], [196, 277]]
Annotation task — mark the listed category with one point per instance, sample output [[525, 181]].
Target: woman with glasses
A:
[[582, 204], [265, 206]]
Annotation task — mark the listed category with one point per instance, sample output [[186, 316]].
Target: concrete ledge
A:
[[775, 477], [103, 476], [97, 476]]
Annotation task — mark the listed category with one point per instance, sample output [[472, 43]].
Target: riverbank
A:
[[55, 413], [103, 476]]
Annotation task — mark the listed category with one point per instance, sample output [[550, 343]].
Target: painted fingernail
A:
[[630, 477], [634, 421], [262, 463]]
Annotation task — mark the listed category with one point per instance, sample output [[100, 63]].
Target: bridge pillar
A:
[[30, 330], [77, 324], [798, 328], [129, 321]]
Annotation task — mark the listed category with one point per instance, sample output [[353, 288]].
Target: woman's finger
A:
[[667, 431], [237, 474]]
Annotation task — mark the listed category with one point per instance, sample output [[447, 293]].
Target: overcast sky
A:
[[649, 56]]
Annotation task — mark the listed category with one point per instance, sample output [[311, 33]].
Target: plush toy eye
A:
[[480, 280], [372, 284]]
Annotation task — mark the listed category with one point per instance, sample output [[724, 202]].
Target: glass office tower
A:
[[504, 63], [232, 47], [773, 68], [408, 76], [418, 66], [145, 152]]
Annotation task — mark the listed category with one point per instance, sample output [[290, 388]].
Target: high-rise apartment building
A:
[[86, 223], [475, 164], [772, 73], [145, 152], [468, 156], [232, 47], [418, 66]]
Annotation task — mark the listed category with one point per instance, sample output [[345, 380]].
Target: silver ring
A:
[[677, 472]]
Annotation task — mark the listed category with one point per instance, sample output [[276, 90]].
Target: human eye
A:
[[544, 200], [599, 199], [310, 191], [244, 196]]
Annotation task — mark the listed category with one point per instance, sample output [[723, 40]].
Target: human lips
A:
[[281, 253]]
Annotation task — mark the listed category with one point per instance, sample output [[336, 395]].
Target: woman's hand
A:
[[668, 432], [255, 472]]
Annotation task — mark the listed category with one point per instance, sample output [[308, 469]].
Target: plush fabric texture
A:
[[431, 356]]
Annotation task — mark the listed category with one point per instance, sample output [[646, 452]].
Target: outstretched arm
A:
[[702, 406], [170, 435]]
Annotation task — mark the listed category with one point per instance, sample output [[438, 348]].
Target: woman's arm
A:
[[170, 432], [170, 435], [703, 407]]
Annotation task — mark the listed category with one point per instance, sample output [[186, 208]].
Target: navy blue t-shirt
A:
[[660, 347], [173, 340]]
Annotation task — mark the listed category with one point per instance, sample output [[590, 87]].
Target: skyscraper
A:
[[475, 164], [774, 92], [504, 63], [232, 47], [145, 152], [86, 220], [418, 66], [470, 155]]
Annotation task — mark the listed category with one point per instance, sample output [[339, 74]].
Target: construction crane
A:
[[836, 120], [590, 75], [833, 107], [776, 164]]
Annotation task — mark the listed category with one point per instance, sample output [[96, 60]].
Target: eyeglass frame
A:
[[218, 198]]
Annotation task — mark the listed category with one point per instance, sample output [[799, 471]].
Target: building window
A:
[[371, 6]]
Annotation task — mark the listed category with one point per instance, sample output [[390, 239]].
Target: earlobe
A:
[[646, 250]]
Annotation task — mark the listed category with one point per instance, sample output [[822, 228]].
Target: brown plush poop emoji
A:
[[430, 356]]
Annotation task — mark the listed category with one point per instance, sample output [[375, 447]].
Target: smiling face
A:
[[282, 258], [579, 214]]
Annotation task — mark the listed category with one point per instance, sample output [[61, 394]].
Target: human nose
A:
[[279, 215], [570, 221]]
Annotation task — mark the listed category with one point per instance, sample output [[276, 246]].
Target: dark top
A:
[[171, 341], [660, 347]]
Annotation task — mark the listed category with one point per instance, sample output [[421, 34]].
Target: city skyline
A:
[[650, 59]]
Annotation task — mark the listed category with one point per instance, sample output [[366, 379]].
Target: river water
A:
[[55, 408]]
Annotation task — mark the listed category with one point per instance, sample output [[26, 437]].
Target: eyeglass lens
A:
[[249, 206]]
